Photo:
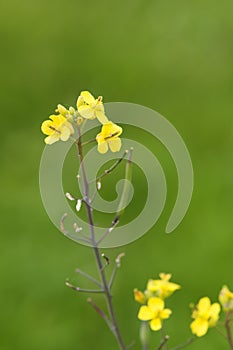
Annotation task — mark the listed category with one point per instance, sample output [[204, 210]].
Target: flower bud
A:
[[139, 296], [62, 110]]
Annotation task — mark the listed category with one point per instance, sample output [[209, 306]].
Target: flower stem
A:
[[163, 342], [228, 328], [106, 289], [186, 343]]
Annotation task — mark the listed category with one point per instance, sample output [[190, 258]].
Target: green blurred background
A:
[[173, 56]]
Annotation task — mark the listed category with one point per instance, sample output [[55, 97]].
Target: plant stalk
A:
[[106, 289]]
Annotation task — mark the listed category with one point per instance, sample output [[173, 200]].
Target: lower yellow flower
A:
[[58, 128], [162, 287], [205, 316], [154, 312], [109, 136], [226, 299]]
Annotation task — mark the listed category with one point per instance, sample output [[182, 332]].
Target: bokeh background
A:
[[173, 56]]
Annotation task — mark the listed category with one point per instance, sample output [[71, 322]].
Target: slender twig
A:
[[107, 292], [186, 343], [67, 233], [133, 342], [125, 191], [109, 170], [228, 328], [163, 342], [106, 172], [163, 336], [78, 289], [124, 196], [109, 230], [100, 312], [220, 332], [87, 142], [90, 278], [116, 267]]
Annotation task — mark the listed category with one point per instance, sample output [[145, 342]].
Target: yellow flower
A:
[[205, 316], [58, 128], [226, 299], [162, 287], [109, 137], [154, 312], [139, 296], [91, 108]]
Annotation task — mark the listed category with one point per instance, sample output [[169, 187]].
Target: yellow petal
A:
[[145, 313], [115, 144], [86, 112], [165, 276], [102, 147], [153, 285], [49, 140], [47, 127], [214, 314], [65, 133], [165, 313], [87, 97], [80, 101], [203, 305], [110, 130], [57, 120], [62, 110], [70, 126], [101, 117], [199, 327], [155, 324], [214, 309], [156, 304]]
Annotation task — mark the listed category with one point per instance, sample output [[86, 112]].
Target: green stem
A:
[[228, 328], [186, 343], [163, 342], [107, 292]]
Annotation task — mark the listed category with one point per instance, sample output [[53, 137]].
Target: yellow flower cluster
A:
[[206, 315], [61, 125], [157, 290]]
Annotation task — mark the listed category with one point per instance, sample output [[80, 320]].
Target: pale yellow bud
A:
[[62, 110], [79, 120]]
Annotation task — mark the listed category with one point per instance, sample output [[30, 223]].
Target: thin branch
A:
[[107, 261], [116, 267], [220, 332], [67, 233], [228, 328], [163, 342], [90, 278], [77, 289], [124, 196], [109, 230], [88, 142], [131, 344], [186, 343], [100, 312], [109, 170]]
